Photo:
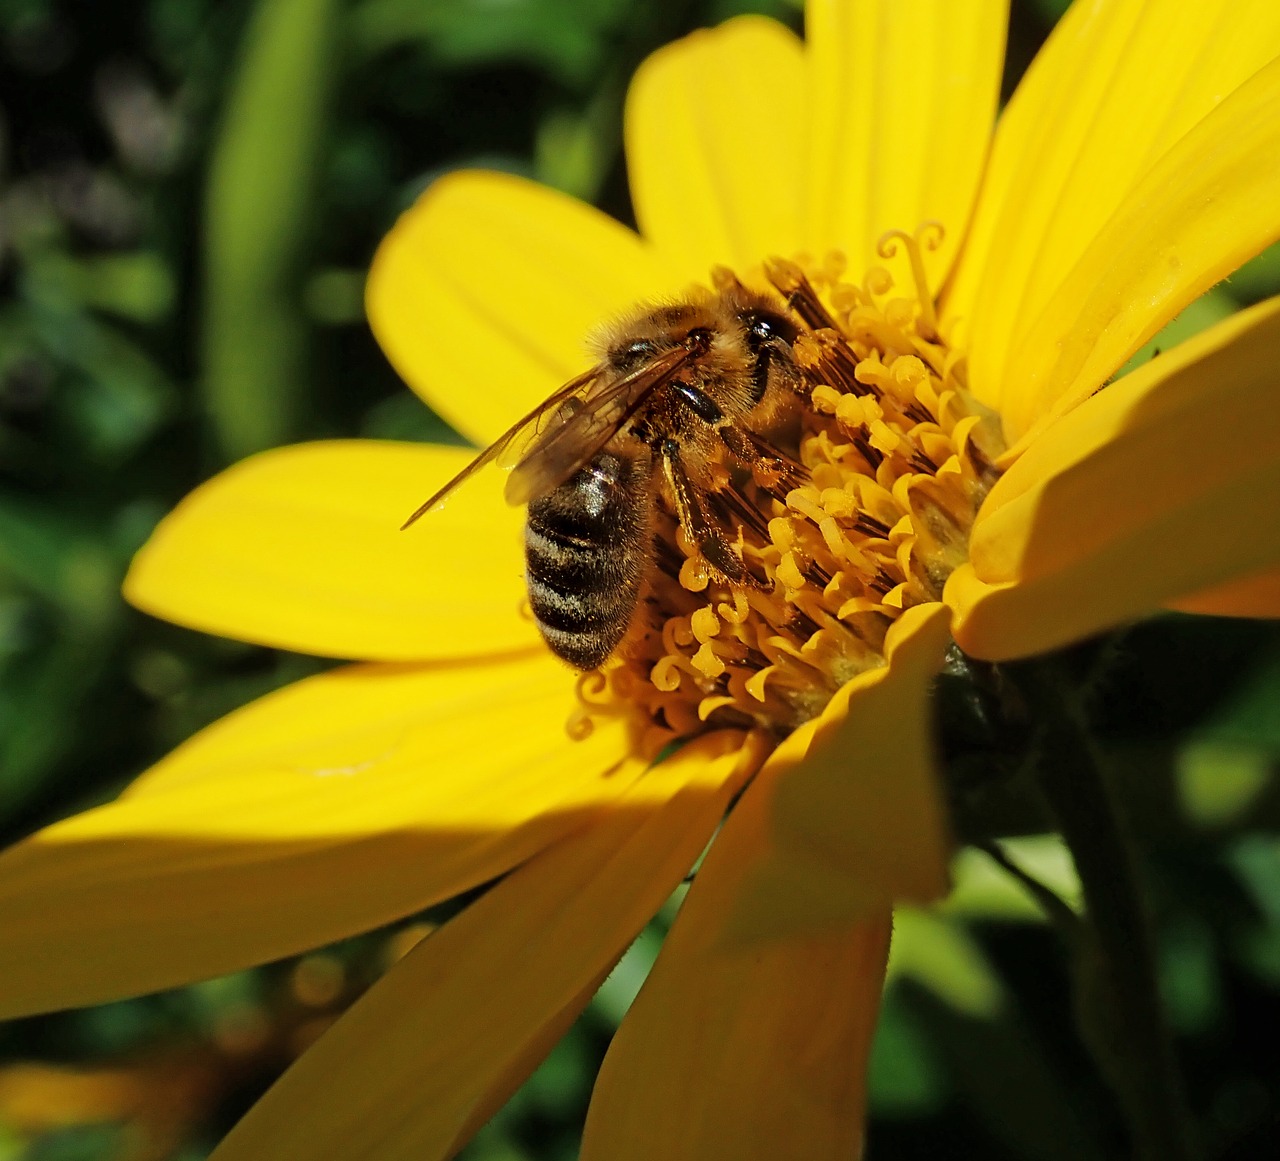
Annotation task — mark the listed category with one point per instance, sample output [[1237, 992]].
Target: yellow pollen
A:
[[899, 458]]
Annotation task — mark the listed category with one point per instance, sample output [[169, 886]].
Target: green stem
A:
[[1117, 993], [1066, 921]]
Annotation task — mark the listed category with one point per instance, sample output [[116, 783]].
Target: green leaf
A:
[[1199, 315], [1189, 983], [567, 38], [940, 954], [1227, 764], [906, 1079], [138, 286], [982, 890], [623, 984], [1257, 279], [262, 192]]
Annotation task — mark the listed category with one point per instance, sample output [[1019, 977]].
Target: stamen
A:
[[789, 278]]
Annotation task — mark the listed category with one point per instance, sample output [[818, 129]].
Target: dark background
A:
[[166, 308]]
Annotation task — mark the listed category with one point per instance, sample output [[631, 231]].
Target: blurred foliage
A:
[[190, 192]]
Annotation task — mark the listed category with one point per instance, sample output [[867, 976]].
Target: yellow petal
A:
[[857, 817], [427, 1055], [483, 294], [340, 803], [754, 1052], [301, 549], [1089, 158], [1206, 207], [1158, 486], [714, 146], [1251, 596], [903, 96]]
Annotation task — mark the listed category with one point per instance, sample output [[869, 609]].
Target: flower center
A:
[[898, 457]]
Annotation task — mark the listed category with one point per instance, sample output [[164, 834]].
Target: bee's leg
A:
[[740, 508], [775, 470], [711, 541]]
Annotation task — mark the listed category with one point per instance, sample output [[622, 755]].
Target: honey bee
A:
[[682, 395]]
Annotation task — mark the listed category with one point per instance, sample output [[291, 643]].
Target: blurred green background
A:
[[190, 193]]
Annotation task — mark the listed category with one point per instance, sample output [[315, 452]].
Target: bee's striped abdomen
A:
[[585, 556]]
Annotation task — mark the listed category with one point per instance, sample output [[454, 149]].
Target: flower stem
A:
[[1117, 994]]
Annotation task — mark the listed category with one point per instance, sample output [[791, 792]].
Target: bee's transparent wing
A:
[[512, 444], [586, 423]]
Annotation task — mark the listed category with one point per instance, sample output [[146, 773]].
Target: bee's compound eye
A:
[[762, 327], [634, 354]]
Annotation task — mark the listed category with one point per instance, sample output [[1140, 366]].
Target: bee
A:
[[682, 395]]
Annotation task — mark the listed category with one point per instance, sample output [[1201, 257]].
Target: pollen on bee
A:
[[896, 457]]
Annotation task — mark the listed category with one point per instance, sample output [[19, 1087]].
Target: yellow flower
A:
[[1133, 169]]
